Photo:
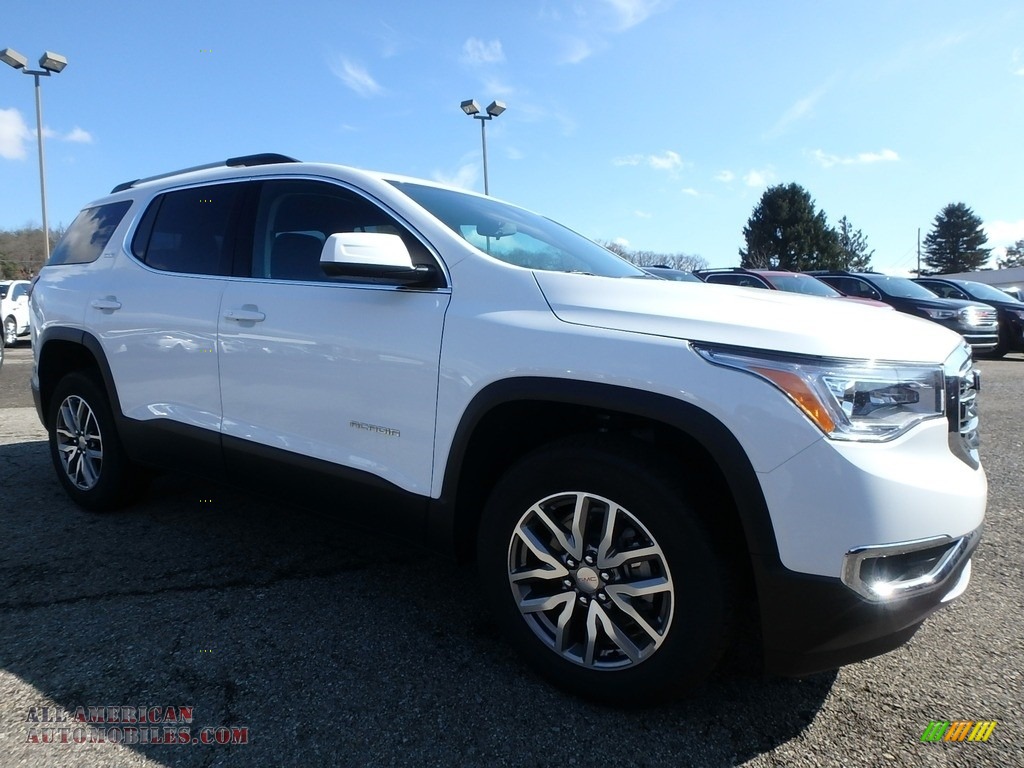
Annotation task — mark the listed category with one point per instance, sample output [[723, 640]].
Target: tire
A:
[[85, 448], [623, 629], [10, 331], [1, 355]]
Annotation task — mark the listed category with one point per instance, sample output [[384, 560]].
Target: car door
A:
[[157, 308], [329, 368]]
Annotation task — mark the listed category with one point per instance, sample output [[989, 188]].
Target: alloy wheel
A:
[[79, 442], [590, 581]]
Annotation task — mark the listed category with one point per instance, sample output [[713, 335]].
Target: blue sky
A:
[[656, 123]]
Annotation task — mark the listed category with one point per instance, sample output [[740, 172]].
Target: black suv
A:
[[976, 322], [1009, 310]]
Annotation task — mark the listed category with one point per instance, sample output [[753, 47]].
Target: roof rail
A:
[[263, 158]]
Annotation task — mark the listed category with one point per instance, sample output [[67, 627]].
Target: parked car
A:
[[1010, 311], [14, 310], [636, 467], [976, 322], [778, 280]]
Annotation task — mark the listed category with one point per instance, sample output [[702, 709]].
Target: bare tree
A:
[[684, 261]]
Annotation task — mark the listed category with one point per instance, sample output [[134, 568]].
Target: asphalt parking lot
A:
[[325, 646]]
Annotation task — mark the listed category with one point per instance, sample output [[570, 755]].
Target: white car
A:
[[634, 463], [14, 310]]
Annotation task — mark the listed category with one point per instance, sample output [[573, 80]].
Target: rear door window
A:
[[189, 230]]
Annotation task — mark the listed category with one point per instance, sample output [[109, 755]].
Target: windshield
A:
[[902, 287], [797, 284], [516, 236], [3, 290], [987, 292]]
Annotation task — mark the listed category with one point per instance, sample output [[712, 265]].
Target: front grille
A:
[[980, 317], [963, 382]]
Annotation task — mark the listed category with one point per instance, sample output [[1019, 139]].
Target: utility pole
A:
[[918, 251]]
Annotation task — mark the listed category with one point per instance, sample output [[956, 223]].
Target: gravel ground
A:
[[337, 648]]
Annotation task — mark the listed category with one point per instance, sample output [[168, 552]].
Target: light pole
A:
[[495, 108], [51, 63]]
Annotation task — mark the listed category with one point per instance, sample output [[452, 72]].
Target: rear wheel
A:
[[10, 331], [602, 575], [85, 448]]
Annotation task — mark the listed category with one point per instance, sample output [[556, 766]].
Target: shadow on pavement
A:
[[330, 645]]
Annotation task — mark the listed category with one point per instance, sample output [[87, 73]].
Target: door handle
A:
[[247, 314], [107, 304]]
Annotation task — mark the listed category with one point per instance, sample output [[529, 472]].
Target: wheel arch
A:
[[61, 351], [510, 418]]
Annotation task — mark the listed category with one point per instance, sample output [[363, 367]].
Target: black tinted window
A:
[[89, 234], [189, 230]]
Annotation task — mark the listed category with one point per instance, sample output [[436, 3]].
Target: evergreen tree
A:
[[853, 247], [785, 231], [1014, 256], [955, 242]]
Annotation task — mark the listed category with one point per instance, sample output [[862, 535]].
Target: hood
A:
[[745, 317]]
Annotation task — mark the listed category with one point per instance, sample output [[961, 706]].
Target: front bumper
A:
[[980, 341], [815, 623]]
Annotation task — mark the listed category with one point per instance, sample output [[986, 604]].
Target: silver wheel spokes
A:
[[79, 442], [590, 580]]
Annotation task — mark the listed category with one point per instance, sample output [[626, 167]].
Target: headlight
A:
[[1018, 312], [940, 314], [846, 399]]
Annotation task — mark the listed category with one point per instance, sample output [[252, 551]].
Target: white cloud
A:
[[643, 214], [13, 134], [1003, 233], [629, 13], [621, 241], [690, 191], [1017, 63], [666, 161], [78, 135], [725, 176], [356, 77], [864, 158], [464, 177], [574, 50], [591, 24], [800, 109], [476, 51], [758, 178]]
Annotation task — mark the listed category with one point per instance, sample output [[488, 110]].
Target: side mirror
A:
[[371, 254]]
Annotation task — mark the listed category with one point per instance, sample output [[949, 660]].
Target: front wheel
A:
[[10, 331], [602, 575], [85, 448]]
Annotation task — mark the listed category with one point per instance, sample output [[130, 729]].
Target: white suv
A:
[[640, 467], [14, 312]]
